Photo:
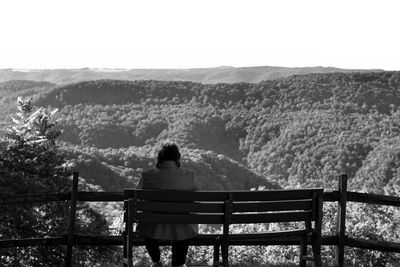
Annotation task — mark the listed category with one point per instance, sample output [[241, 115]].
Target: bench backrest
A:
[[223, 207]]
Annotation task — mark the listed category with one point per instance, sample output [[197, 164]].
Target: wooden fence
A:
[[340, 240]]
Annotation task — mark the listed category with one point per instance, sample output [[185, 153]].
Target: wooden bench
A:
[[226, 208]]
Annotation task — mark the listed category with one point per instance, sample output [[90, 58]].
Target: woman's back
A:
[[168, 177]]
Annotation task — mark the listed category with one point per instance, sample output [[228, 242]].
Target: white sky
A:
[[199, 33]]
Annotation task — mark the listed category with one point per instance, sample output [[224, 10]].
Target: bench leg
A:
[[224, 250], [216, 254], [124, 258], [129, 250], [303, 252], [130, 259], [317, 254]]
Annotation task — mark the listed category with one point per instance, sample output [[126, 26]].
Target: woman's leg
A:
[[153, 249], [179, 252]]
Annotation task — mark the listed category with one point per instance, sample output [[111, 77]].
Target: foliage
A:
[[30, 153], [31, 163]]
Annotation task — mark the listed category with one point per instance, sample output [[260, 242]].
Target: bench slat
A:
[[148, 217], [184, 196], [272, 206], [273, 195], [272, 217], [177, 207], [266, 235], [218, 207]]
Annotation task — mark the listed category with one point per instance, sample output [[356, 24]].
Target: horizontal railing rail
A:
[[37, 198], [81, 196], [340, 240], [119, 197], [373, 199]]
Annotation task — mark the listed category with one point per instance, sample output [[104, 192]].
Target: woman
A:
[[169, 175]]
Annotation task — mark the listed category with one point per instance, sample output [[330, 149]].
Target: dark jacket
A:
[[168, 176]]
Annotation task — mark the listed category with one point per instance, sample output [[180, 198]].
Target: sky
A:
[[48, 34]]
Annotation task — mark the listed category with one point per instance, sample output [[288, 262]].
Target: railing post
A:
[[72, 213], [225, 234], [341, 220], [132, 217]]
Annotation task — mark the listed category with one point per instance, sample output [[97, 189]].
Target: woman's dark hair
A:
[[169, 151]]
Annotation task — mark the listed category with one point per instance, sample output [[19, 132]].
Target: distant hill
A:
[[202, 75], [13, 86]]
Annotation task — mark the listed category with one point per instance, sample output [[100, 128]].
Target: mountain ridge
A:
[[222, 74]]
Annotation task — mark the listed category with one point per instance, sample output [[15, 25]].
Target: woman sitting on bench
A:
[[168, 175]]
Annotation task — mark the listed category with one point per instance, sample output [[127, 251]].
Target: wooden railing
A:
[[340, 240]]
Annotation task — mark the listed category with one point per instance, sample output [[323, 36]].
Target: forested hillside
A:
[[299, 131]]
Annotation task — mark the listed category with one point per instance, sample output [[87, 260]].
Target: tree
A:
[[31, 163]]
